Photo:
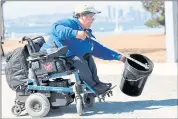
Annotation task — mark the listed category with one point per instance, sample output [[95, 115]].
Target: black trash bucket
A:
[[135, 76]]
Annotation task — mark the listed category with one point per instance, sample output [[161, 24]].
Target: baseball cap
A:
[[85, 8]]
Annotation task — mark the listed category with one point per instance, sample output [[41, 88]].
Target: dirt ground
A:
[[152, 46]]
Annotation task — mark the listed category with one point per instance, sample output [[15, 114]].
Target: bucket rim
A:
[[148, 60]]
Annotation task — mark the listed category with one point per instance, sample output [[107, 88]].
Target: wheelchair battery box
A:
[[59, 83], [60, 99], [48, 66]]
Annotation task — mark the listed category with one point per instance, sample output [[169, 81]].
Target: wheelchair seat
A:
[[55, 57]]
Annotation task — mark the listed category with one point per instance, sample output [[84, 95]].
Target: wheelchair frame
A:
[[79, 87]]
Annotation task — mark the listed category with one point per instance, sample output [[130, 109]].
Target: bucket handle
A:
[[132, 79]]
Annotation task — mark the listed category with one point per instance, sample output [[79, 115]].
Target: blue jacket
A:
[[63, 33]]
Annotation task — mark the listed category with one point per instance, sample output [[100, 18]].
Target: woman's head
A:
[[86, 15]]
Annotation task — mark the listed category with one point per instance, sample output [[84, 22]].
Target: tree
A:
[[157, 10]]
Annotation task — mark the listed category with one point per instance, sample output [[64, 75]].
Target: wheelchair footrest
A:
[[107, 93]]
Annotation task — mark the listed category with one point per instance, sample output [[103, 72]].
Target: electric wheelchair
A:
[[46, 87]]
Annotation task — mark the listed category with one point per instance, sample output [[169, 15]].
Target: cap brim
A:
[[95, 11]]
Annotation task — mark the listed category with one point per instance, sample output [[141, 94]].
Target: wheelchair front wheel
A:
[[89, 100], [16, 110]]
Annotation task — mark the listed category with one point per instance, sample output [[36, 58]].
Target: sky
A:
[[15, 9]]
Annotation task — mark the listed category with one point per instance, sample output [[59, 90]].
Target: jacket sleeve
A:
[[103, 52], [63, 31]]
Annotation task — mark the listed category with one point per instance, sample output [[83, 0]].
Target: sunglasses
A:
[[91, 15]]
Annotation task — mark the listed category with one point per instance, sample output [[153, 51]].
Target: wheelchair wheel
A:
[[79, 105], [16, 110], [89, 99], [37, 105]]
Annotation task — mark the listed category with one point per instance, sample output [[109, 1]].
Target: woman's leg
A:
[[84, 72], [93, 69]]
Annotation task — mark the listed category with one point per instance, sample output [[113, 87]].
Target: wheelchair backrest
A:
[[34, 44]]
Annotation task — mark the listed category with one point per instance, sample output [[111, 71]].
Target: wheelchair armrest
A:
[[57, 52], [38, 54]]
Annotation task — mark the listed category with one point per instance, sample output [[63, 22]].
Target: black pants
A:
[[87, 69]]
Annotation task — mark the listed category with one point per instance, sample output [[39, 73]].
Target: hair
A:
[[76, 15]]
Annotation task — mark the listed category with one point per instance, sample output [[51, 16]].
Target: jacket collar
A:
[[80, 27]]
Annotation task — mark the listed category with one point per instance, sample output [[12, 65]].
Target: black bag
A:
[[16, 68], [49, 66]]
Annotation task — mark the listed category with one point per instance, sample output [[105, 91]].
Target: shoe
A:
[[100, 89], [105, 84]]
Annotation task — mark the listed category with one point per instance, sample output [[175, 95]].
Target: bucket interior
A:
[[139, 58]]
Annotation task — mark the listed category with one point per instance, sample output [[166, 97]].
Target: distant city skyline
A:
[[15, 9]]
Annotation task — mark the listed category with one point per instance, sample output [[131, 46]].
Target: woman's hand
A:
[[81, 35], [123, 59]]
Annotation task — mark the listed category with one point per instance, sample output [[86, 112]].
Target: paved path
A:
[[158, 99]]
